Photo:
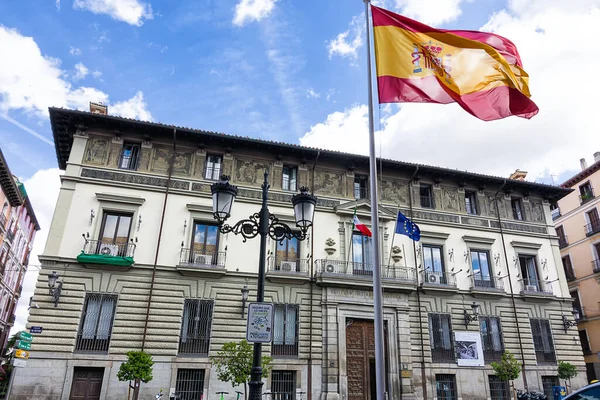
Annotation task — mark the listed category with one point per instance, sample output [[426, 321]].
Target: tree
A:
[[7, 367], [138, 367], [566, 371], [508, 369], [234, 364]]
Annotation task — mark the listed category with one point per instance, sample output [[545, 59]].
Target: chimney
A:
[[597, 156], [98, 108], [583, 164], [518, 175]]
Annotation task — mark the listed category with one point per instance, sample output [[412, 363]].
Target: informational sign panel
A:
[[469, 352], [17, 362], [36, 329], [22, 354], [259, 328], [26, 337], [19, 344]]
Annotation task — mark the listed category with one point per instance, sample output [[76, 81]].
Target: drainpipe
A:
[[312, 283], [160, 230], [512, 296], [423, 376]]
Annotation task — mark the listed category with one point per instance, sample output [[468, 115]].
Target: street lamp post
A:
[[262, 223]]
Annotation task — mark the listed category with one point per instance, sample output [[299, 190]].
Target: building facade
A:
[[578, 228], [144, 266], [18, 226]]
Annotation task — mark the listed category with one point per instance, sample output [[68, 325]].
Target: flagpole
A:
[[377, 293]]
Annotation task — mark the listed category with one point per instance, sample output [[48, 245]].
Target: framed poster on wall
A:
[[469, 352]]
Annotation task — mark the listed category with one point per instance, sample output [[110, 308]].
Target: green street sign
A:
[[23, 345], [25, 337]]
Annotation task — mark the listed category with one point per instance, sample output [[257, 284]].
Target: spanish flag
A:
[[480, 71]]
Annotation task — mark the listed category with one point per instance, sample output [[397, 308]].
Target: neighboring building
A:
[[577, 222], [144, 266], [17, 231]]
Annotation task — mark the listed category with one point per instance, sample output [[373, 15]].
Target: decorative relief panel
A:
[[160, 159], [475, 222], [277, 176], [250, 171], [394, 191], [437, 199], [228, 165], [182, 164], [329, 183], [115, 154], [303, 173], [144, 164], [450, 199], [432, 216], [96, 151], [520, 227], [537, 211], [199, 164], [132, 178]]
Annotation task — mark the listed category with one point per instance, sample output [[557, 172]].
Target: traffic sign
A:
[[19, 344], [26, 337], [22, 354], [17, 362], [35, 329]]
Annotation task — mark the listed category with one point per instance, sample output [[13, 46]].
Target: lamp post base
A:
[[255, 390]]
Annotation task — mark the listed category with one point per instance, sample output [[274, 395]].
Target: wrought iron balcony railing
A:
[[592, 227], [361, 193], [586, 196], [596, 266], [555, 213], [355, 269], [570, 274], [291, 266], [532, 286], [436, 278], [100, 247], [563, 241], [204, 259], [487, 283]]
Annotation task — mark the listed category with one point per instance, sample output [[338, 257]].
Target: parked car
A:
[[590, 392]]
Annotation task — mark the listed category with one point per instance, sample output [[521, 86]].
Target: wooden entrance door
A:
[[87, 383], [360, 359]]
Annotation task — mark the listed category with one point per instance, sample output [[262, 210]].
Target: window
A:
[[542, 341], [592, 393], [440, 338], [115, 229], [529, 273], [482, 274], [190, 384], [491, 338], [586, 192], [499, 390], [593, 219], [426, 193], [548, 383], [517, 209], [285, 330], [195, 327], [585, 343], [205, 244], [434, 264], [445, 385], [596, 261], [568, 267], [130, 156], [287, 255], [96, 323], [471, 202], [290, 177], [213, 167], [361, 190], [562, 238], [283, 385], [577, 303], [362, 254]]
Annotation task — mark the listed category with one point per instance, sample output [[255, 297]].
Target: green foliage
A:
[[234, 363], [138, 366], [566, 370], [7, 367], [508, 369]]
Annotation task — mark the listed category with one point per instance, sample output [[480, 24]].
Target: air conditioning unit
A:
[[203, 259], [330, 268], [288, 265], [431, 278], [109, 249], [531, 288]]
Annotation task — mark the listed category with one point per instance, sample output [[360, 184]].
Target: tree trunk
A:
[[245, 391], [136, 389]]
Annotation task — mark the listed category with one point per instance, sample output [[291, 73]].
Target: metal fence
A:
[[337, 267], [438, 278], [189, 384], [288, 265], [489, 282], [548, 383], [96, 323], [207, 259], [445, 385], [109, 248], [586, 196], [196, 326], [283, 385], [499, 390], [536, 286], [591, 228]]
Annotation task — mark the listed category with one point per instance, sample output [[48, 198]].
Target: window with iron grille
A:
[[283, 385], [130, 156], [542, 341], [213, 167], [440, 337], [285, 330], [195, 327], [445, 385], [499, 390], [189, 384], [491, 338], [289, 178], [96, 323], [548, 383]]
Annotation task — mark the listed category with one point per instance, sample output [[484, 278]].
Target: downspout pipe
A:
[[160, 231], [312, 284], [512, 295]]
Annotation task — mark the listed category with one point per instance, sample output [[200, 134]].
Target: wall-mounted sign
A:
[[259, 327], [22, 354], [36, 329], [19, 344], [468, 349], [17, 362], [26, 337]]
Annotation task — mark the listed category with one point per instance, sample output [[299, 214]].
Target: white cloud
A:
[[430, 12], [550, 143], [132, 108], [346, 44], [311, 94], [252, 10], [74, 51], [42, 189], [132, 12], [81, 71], [32, 82], [96, 74]]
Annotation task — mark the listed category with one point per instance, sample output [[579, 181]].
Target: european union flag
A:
[[405, 226]]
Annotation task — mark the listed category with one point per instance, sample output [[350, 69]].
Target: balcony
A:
[[10, 236], [348, 273], [596, 266], [586, 196], [563, 241], [438, 280], [191, 260], [488, 284], [99, 252], [288, 268], [592, 228], [555, 213], [534, 287]]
